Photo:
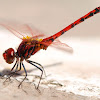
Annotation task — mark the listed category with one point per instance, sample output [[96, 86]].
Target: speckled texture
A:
[[70, 76]]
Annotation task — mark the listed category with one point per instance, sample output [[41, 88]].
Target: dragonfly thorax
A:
[[29, 47]]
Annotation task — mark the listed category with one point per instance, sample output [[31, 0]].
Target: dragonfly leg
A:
[[11, 69], [25, 74], [12, 73], [19, 68], [16, 70], [39, 69], [14, 65], [39, 65]]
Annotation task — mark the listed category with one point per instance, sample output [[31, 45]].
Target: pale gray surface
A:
[[78, 72]]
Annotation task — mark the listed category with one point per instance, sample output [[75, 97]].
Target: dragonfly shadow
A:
[[68, 50], [8, 71]]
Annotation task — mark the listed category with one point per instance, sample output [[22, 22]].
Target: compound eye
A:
[[9, 55]]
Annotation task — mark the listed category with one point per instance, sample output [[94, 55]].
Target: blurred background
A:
[[50, 16]]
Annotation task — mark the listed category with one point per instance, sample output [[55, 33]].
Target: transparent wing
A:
[[62, 46], [22, 30], [59, 45]]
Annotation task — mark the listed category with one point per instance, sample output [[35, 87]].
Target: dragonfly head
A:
[[9, 55]]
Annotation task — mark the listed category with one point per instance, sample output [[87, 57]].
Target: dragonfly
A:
[[31, 45]]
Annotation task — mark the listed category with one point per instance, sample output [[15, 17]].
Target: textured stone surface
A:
[[70, 76]]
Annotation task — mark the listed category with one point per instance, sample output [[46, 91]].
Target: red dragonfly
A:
[[30, 45]]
